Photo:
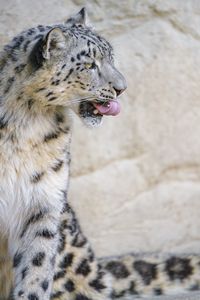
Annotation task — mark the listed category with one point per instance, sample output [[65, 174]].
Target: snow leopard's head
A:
[[71, 65]]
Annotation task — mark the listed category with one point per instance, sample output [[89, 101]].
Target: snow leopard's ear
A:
[[79, 19], [54, 42], [48, 47]]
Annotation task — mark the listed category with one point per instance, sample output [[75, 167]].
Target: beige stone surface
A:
[[136, 180]]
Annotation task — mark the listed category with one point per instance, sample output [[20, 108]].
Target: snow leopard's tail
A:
[[151, 275]]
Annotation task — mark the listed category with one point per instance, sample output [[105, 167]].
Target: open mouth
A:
[[110, 108], [99, 108]]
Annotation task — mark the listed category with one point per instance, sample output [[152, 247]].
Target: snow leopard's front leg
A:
[[78, 274], [34, 256], [5, 269]]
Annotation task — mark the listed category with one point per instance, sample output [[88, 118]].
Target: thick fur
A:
[[47, 72]]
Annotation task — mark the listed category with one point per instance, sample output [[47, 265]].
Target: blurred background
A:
[[135, 181]]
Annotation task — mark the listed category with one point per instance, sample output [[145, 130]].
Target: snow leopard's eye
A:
[[90, 65]]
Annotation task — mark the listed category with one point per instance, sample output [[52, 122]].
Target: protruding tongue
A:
[[111, 109]]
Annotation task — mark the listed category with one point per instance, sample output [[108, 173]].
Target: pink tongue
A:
[[111, 109]]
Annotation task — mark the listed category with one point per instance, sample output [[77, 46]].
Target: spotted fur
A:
[[46, 72], [79, 272]]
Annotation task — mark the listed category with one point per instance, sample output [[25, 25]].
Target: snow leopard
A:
[[45, 73]]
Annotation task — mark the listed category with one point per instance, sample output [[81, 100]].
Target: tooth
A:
[[95, 112]]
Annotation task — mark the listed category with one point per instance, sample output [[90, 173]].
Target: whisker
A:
[[74, 101], [81, 99], [85, 99]]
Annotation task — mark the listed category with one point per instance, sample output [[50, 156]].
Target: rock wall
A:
[[136, 180]]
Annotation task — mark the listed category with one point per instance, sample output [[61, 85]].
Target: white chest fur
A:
[[33, 170]]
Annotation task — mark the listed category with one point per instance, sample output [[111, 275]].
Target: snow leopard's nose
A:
[[119, 92], [115, 79], [118, 82]]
